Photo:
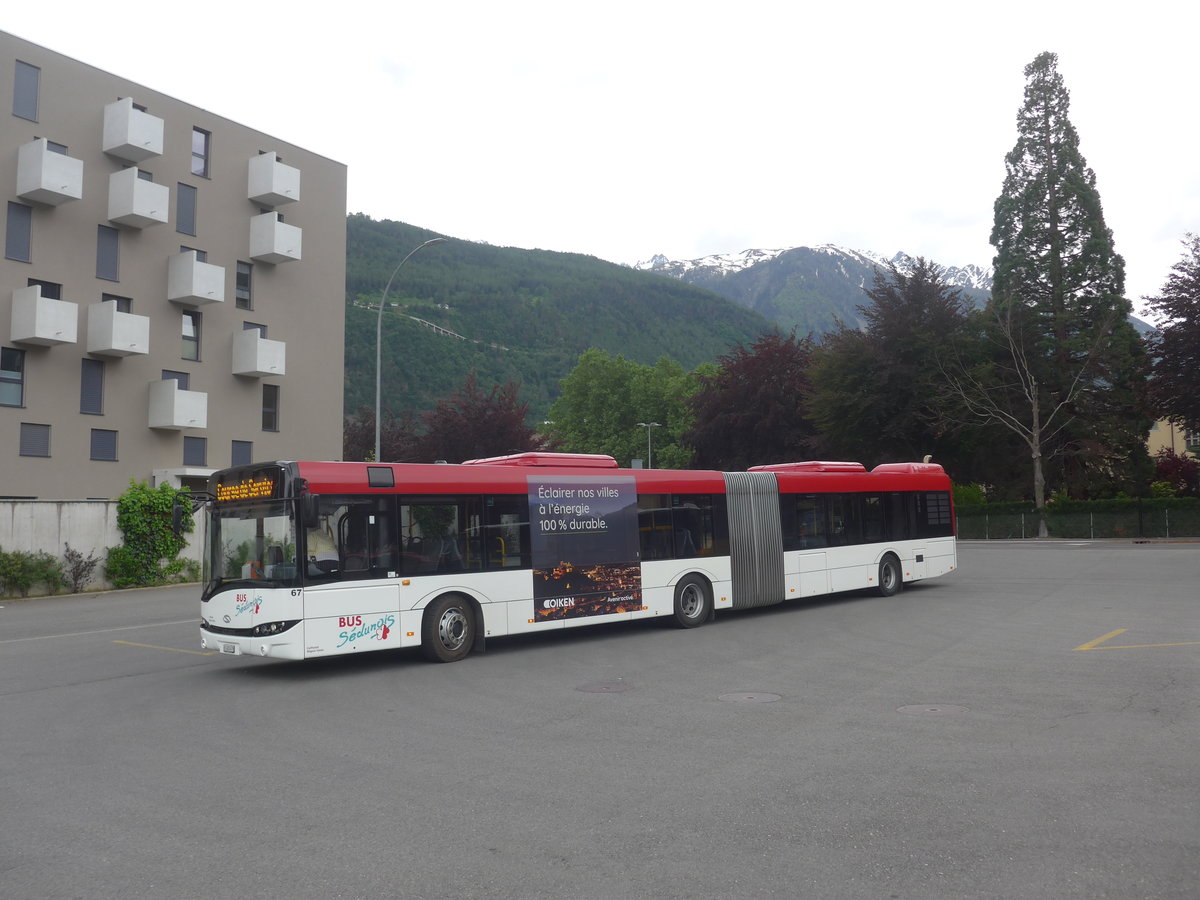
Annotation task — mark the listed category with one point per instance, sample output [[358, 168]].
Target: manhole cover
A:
[[750, 697], [606, 687], [932, 709]]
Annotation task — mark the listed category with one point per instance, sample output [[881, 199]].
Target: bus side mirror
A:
[[309, 510], [177, 514]]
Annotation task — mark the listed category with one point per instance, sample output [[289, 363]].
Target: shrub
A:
[[78, 568], [150, 553], [969, 495], [20, 571]]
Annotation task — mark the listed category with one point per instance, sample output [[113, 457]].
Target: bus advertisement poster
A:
[[584, 532]]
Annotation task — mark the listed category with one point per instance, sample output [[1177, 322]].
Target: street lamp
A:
[[648, 426], [379, 334]]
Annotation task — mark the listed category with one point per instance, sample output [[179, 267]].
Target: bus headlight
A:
[[269, 628]]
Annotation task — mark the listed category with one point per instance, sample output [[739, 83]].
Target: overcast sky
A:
[[626, 129]]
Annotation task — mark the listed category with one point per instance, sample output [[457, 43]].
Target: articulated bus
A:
[[309, 559]]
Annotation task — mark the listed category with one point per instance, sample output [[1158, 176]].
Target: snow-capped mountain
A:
[[805, 288]]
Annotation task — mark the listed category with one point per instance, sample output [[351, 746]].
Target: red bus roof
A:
[[511, 474]]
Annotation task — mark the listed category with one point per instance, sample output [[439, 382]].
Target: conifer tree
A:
[[1177, 345], [1069, 372]]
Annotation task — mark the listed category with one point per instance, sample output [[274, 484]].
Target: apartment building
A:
[[172, 288]]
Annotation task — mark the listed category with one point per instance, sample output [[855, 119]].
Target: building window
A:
[[195, 451], [91, 387], [270, 407], [124, 304], [191, 335], [241, 453], [143, 175], [25, 91], [104, 445], [35, 439], [241, 289], [108, 255], [180, 378], [18, 233], [12, 377], [55, 147], [51, 290], [201, 255], [185, 209], [201, 147], [255, 326]]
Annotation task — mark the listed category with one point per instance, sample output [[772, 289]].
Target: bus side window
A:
[[505, 533], [694, 525], [804, 523], [654, 526]]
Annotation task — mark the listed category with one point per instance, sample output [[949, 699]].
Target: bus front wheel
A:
[[890, 578], [448, 629], [693, 602]]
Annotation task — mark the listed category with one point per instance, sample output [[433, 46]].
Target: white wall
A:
[[89, 526]]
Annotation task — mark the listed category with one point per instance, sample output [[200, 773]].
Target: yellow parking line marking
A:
[[1095, 645], [1092, 645], [171, 649]]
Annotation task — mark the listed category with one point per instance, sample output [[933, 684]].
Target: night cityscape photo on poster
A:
[[585, 546]]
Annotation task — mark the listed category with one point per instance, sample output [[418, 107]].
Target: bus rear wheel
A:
[[693, 602], [448, 629], [890, 578]]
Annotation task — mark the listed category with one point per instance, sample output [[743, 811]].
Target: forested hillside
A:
[[522, 314]]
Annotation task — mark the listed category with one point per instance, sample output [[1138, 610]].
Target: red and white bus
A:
[[308, 559]]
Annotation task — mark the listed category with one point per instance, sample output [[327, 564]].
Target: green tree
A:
[[1176, 347], [603, 400], [752, 410], [877, 392], [1067, 374]]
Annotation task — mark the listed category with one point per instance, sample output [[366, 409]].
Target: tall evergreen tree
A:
[[1070, 366], [1177, 345]]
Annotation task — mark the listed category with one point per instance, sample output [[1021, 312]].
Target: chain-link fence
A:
[[1138, 521]]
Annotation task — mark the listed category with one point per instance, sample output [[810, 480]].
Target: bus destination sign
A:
[[253, 487]]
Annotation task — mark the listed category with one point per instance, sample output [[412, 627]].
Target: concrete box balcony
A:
[[272, 241], [194, 283], [256, 356], [46, 177], [113, 333], [130, 134], [41, 321], [135, 203], [271, 183], [173, 409]]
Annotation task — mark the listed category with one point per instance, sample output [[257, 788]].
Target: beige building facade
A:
[[171, 292], [1166, 436]]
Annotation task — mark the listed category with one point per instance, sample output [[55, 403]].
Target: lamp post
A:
[[379, 334], [648, 426]]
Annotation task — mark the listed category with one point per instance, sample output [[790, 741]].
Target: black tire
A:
[[891, 576], [693, 602], [448, 629]]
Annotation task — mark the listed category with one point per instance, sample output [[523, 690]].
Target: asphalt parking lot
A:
[[1026, 727]]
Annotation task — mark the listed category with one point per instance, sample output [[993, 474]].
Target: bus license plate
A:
[[229, 648]]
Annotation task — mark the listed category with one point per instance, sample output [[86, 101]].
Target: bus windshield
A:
[[250, 542]]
